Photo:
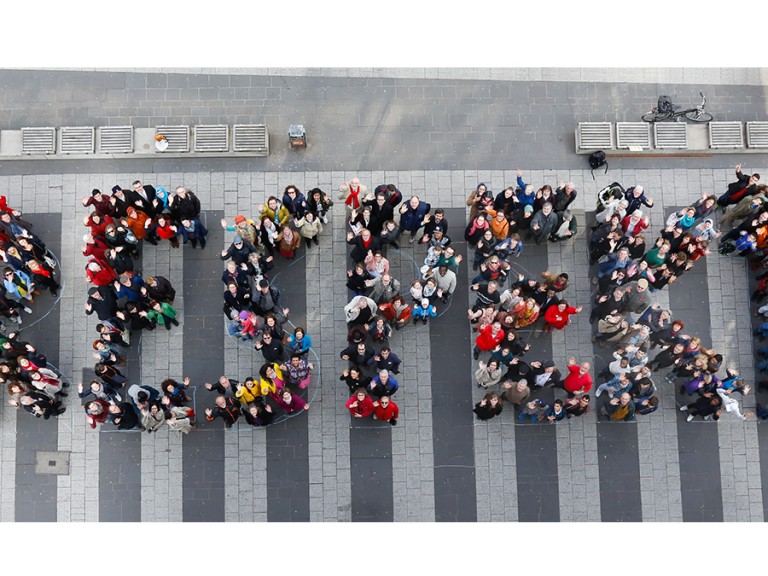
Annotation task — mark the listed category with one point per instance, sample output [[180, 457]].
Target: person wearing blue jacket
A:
[[412, 216]]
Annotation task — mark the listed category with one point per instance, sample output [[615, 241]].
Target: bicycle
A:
[[667, 111]]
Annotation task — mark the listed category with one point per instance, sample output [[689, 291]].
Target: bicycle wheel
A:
[[656, 116], [696, 116]]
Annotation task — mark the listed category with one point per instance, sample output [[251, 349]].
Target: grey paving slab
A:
[[36, 494], [452, 417], [700, 478], [203, 354], [288, 442], [371, 471]]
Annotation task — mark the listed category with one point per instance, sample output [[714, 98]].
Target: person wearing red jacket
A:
[[96, 412], [360, 404], [578, 381], [386, 410], [98, 273], [559, 316], [489, 337]]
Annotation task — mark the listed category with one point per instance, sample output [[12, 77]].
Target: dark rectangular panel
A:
[[697, 442], [450, 349], [617, 447], [371, 471], [619, 469], [36, 493], [288, 441], [203, 357], [120, 451], [538, 493]]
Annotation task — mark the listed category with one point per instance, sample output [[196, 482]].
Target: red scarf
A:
[[353, 199]]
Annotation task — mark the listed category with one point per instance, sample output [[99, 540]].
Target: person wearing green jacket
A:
[[163, 314]]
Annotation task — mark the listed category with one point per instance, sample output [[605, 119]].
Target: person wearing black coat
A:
[[101, 299], [144, 198], [123, 416], [271, 348], [40, 404], [159, 288], [361, 244], [745, 185], [380, 213], [184, 205], [488, 407], [236, 299], [357, 354], [238, 251]]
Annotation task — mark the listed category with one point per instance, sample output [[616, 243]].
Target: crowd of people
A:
[[28, 265], [255, 311], [643, 339], [125, 301], [626, 317]]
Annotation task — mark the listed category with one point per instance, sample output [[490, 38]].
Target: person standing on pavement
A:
[[413, 216]]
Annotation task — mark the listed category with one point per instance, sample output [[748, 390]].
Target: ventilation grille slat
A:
[[38, 140], [670, 135], [212, 138], [250, 138], [115, 139]]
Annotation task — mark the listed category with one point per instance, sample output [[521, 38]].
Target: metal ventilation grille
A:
[[591, 135], [77, 139], [757, 134], [178, 137], [726, 135], [115, 139], [633, 135], [38, 140], [670, 135], [250, 138], [212, 138]]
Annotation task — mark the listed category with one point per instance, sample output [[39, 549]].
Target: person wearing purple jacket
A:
[[290, 403]]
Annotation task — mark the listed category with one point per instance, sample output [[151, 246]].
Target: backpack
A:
[[597, 159], [665, 104], [726, 248]]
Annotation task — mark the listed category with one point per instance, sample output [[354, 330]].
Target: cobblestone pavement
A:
[[240, 475]]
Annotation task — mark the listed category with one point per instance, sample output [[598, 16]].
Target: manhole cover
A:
[[52, 463]]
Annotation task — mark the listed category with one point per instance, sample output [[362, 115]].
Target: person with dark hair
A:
[[123, 416], [709, 406], [174, 391], [555, 412], [360, 405], [294, 201], [577, 406], [289, 402], [386, 360], [162, 313], [319, 204], [271, 348], [488, 407], [297, 371], [745, 185]]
